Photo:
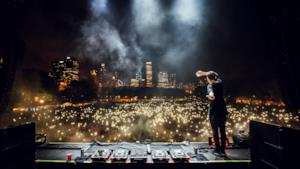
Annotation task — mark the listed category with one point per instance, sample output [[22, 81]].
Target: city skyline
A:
[[231, 39], [64, 71], [216, 47]]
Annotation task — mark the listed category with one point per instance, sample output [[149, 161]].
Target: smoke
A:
[[148, 20], [101, 41], [172, 32], [98, 7], [147, 14], [165, 35], [186, 19], [187, 12]]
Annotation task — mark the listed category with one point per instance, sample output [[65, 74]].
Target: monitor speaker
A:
[[273, 146]]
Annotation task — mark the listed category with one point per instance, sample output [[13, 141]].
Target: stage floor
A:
[[55, 154]]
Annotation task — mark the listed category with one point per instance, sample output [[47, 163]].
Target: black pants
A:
[[216, 125]]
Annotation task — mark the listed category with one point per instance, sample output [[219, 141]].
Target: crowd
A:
[[159, 121]]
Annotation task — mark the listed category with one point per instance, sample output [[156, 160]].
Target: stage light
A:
[[187, 11], [99, 7], [147, 13]]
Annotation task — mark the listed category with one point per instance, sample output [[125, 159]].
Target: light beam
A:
[[147, 14], [187, 11]]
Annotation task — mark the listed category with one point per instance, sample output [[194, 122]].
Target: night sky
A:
[[225, 36]]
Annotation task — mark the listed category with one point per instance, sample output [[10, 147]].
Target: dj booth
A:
[[271, 146], [138, 155]]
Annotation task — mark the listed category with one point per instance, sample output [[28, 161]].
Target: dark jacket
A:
[[217, 108]]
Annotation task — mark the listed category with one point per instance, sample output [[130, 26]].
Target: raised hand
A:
[[200, 73]]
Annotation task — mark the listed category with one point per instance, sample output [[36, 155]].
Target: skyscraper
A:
[[149, 74], [172, 80], [138, 75], [140, 80], [107, 77], [71, 71], [163, 80], [114, 79], [102, 75], [65, 71]]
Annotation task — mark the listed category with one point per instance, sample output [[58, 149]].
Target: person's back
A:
[[217, 108]]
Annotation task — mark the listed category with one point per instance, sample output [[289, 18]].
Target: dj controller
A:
[[125, 152], [135, 153]]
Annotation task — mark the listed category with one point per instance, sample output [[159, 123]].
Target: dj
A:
[[217, 108]]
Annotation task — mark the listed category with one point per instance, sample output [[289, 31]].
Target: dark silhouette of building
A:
[[281, 23], [11, 47]]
